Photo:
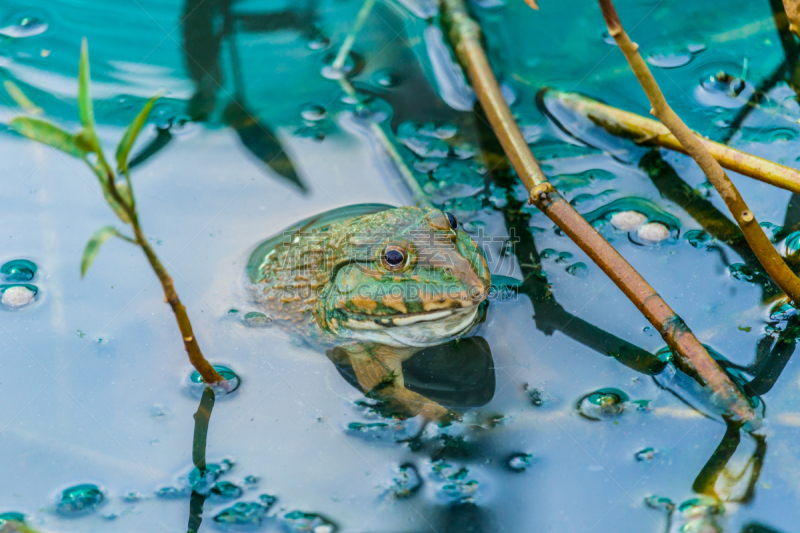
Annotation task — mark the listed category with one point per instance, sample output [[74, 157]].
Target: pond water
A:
[[573, 417]]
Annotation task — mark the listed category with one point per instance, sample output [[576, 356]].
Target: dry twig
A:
[[690, 356], [793, 14], [772, 262]]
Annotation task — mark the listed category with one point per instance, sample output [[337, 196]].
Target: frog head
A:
[[403, 277]]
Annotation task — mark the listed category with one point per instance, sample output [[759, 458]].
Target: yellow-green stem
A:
[[649, 132], [196, 358]]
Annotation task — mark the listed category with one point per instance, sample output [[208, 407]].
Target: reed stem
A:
[[769, 258], [689, 355], [649, 132]]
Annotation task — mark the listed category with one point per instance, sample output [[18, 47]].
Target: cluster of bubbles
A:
[[644, 221], [578, 269], [454, 484], [17, 289]]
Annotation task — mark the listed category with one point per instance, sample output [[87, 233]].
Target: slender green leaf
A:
[[47, 133], [84, 98], [125, 145], [93, 246]]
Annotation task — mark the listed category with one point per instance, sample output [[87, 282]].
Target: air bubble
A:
[[26, 26], [312, 112], [646, 454], [225, 490], [519, 462], [231, 383], [11, 517], [578, 269], [204, 481], [319, 43], [18, 270], [697, 238], [669, 59], [242, 514], [603, 403], [300, 522], [80, 499], [386, 78]]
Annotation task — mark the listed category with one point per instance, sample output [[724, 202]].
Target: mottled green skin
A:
[[324, 279]]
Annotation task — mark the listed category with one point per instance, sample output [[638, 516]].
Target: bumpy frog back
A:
[[287, 271]]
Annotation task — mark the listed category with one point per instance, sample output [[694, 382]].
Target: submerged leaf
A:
[[93, 246], [84, 98], [125, 145], [19, 97], [262, 142], [47, 133]]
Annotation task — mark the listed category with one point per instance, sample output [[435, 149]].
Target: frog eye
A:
[[452, 220], [394, 257]]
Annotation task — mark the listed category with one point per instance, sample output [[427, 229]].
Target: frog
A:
[[372, 285]]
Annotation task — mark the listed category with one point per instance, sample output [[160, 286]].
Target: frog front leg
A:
[[379, 371]]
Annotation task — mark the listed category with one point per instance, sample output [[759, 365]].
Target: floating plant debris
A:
[[17, 296], [80, 499], [653, 232], [659, 502], [628, 220], [405, 482]]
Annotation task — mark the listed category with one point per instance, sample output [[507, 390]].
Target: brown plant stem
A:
[[793, 14], [196, 358], [760, 244], [690, 356], [649, 132]]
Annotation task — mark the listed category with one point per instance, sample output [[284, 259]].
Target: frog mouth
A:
[[414, 329], [365, 321]]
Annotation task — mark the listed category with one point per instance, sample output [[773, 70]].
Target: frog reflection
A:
[[374, 285]]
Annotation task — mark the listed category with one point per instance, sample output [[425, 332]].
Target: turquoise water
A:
[[570, 424]]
